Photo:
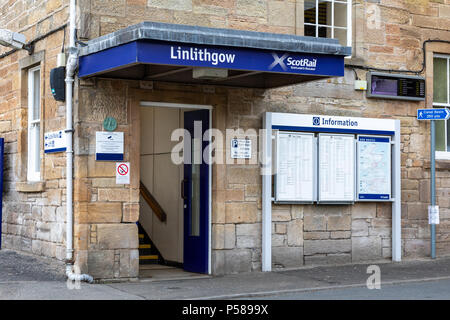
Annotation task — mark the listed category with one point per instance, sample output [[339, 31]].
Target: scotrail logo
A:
[[286, 62], [279, 61]]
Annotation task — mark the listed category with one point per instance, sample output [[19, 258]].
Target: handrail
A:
[[157, 209]]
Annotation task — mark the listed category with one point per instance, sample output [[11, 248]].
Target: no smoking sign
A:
[[122, 173]]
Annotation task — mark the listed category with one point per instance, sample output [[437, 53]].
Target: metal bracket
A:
[[29, 47]]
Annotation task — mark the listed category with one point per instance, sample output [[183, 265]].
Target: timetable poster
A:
[[295, 167], [374, 168], [336, 167]]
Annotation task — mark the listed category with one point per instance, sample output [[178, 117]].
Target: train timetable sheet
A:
[[295, 167], [336, 167]]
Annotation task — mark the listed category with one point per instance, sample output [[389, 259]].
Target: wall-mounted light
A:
[[14, 40]]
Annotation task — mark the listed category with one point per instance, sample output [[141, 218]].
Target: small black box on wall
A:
[[57, 83]]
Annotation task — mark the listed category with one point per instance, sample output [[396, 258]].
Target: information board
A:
[[374, 168], [295, 176], [336, 168], [109, 146]]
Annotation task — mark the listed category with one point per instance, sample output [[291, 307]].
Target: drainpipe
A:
[[72, 63]]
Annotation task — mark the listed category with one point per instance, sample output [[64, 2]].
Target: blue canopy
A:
[[169, 52]]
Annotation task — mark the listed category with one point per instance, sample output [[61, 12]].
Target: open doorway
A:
[[175, 203]]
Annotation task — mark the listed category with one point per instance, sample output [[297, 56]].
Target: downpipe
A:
[[72, 276], [72, 63]]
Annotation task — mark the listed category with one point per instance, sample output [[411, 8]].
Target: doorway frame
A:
[[144, 103]]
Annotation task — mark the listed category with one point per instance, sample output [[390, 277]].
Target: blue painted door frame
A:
[[196, 194], [2, 151]]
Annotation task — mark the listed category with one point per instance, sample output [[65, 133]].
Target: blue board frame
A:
[[375, 196], [376, 135]]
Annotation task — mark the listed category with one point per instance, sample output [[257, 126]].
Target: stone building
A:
[[150, 99]]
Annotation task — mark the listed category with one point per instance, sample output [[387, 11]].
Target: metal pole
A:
[[397, 193], [433, 187], [266, 172]]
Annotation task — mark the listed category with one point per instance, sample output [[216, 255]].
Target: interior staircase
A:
[[148, 253]]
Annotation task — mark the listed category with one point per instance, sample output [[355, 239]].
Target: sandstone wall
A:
[[33, 213], [387, 34], [32, 18], [105, 213], [100, 17]]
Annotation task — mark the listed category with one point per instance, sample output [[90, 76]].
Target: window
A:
[[329, 19], [441, 99], [34, 124]]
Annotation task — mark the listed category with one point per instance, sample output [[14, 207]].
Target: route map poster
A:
[[374, 168]]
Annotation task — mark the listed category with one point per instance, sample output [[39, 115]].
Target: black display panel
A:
[[411, 88], [390, 86]]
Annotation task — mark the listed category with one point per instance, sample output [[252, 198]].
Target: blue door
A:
[[2, 149], [195, 193]]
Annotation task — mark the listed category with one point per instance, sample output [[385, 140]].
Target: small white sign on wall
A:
[[54, 141], [433, 214], [241, 148], [109, 146], [122, 173]]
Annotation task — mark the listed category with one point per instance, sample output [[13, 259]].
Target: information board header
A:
[[332, 124]]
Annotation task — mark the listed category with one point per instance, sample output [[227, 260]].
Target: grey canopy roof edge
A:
[[216, 37]]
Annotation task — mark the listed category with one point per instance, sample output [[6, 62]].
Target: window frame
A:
[[349, 20], [34, 152], [444, 155]]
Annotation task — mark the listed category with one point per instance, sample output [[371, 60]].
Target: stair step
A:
[[148, 253], [149, 257]]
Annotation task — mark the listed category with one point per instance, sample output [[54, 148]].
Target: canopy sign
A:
[[247, 59]]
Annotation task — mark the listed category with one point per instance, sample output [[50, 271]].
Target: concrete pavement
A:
[[42, 282], [423, 290]]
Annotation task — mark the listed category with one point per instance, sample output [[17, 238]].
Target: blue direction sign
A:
[[433, 114]]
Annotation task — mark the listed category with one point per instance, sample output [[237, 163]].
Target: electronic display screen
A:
[[397, 87], [411, 88], [384, 86]]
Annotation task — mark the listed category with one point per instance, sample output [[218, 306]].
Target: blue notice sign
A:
[[433, 114]]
